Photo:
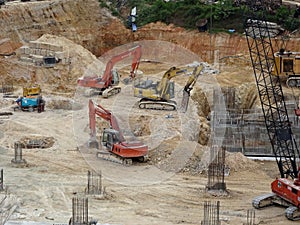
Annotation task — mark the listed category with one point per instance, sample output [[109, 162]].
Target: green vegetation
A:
[[221, 15]]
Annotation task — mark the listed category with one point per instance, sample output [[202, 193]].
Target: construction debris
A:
[[8, 205], [251, 217], [36, 142], [7, 89], [6, 113], [42, 54]]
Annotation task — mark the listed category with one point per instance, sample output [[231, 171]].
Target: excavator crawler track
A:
[[293, 81], [157, 105], [111, 91], [113, 158], [263, 200], [292, 213]]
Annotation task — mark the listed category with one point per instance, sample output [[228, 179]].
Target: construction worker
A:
[[18, 100], [40, 105]]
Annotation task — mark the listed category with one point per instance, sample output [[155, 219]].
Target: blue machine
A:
[[31, 103]]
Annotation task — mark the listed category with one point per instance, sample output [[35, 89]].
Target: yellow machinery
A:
[[31, 99], [189, 87], [288, 65], [158, 95], [33, 90]]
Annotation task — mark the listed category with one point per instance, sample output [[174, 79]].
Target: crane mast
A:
[[259, 34]]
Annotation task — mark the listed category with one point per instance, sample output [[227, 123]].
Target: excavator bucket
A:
[[189, 87], [185, 101]]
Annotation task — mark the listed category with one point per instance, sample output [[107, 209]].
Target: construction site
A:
[[103, 125]]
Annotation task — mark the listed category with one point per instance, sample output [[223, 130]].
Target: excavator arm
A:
[[136, 52], [158, 95], [162, 87], [98, 110], [117, 149], [189, 87], [193, 78]]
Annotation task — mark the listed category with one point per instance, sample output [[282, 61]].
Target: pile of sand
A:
[[237, 162]]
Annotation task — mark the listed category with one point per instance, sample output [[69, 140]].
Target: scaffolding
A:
[[211, 213], [216, 169]]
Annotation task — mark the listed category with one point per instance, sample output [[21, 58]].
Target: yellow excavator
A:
[[189, 87], [158, 95], [288, 65], [32, 90]]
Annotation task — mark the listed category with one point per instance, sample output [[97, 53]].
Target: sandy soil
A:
[[141, 194], [168, 189]]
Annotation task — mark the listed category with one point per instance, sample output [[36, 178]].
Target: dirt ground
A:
[[168, 189], [140, 194]]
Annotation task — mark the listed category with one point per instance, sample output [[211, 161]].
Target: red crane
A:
[[107, 85], [116, 147]]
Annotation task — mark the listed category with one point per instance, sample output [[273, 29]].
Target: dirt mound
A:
[[237, 162], [200, 160], [66, 104], [140, 125], [246, 96], [63, 78]]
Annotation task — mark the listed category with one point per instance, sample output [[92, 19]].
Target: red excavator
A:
[[117, 149], [107, 85]]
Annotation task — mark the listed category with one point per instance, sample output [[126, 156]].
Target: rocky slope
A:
[[93, 27]]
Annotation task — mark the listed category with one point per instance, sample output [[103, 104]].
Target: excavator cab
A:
[[110, 137], [288, 65], [115, 77]]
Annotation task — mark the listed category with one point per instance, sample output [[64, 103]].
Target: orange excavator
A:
[[116, 148], [107, 85]]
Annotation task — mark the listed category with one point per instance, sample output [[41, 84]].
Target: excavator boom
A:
[[96, 109]]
